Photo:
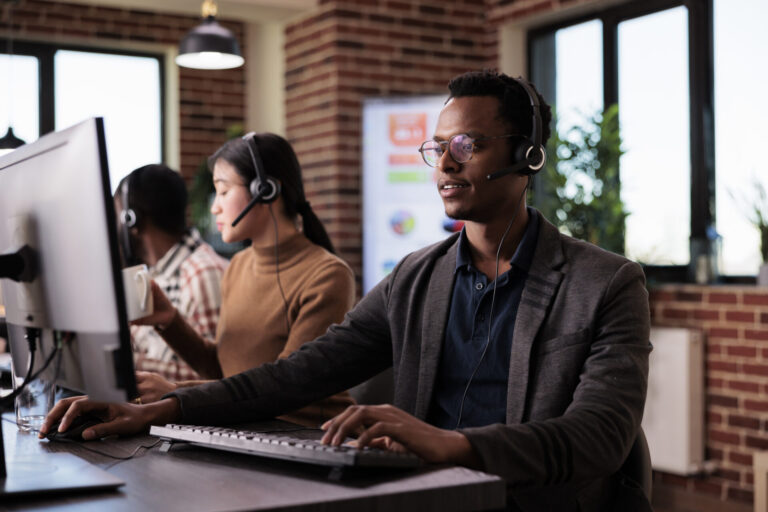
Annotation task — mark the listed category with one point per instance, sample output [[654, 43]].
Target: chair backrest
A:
[[637, 465]]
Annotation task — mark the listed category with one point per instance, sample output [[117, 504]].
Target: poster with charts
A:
[[402, 210]]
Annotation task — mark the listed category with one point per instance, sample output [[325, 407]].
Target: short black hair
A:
[[514, 103], [158, 194]]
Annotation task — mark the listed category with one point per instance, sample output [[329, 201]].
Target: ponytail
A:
[[312, 227]]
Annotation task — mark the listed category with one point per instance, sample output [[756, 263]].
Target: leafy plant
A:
[[758, 215], [580, 189]]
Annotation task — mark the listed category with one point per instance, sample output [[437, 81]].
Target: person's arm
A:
[[198, 352], [344, 356]]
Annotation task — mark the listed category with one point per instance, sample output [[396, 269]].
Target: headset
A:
[[128, 220], [529, 154], [263, 188]]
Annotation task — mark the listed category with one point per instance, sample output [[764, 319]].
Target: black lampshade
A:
[[10, 141], [209, 46]]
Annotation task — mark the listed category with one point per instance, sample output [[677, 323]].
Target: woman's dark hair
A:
[[158, 194], [280, 162]]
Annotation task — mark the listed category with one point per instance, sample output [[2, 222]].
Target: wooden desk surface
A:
[[190, 478]]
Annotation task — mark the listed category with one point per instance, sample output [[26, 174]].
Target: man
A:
[[540, 378], [151, 204]]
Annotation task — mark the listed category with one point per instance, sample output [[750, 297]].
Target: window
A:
[[655, 64], [75, 84], [741, 107], [19, 83]]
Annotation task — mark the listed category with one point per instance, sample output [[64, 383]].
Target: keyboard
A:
[[298, 444]]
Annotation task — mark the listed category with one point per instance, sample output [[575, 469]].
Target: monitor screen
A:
[[56, 199]]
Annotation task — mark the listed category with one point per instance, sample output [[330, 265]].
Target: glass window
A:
[[19, 102], [741, 107], [655, 126], [579, 72], [125, 91]]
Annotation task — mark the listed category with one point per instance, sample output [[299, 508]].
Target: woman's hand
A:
[[119, 418], [152, 386], [386, 426], [162, 309]]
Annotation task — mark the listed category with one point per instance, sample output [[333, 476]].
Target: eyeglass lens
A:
[[460, 147]]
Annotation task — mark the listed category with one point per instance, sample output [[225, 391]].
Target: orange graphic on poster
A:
[[408, 129], [401, 159]]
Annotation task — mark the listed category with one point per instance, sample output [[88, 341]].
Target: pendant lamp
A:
[[9, 142], [209, 45]]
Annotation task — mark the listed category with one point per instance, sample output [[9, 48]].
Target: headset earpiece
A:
[[268, 191]]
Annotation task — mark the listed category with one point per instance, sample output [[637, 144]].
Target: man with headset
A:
[[516, 350], [151, 203]]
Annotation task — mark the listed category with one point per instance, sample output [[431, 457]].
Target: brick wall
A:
[[210, 101], [734, 321], [347, 50]]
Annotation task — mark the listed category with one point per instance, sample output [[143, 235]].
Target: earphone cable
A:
[[493, 300], [277, 270]]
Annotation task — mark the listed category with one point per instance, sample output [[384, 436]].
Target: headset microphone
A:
[[263, 189], [529, 155]]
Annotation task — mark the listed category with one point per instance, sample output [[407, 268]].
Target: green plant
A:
[[758, 216], [580, 190]]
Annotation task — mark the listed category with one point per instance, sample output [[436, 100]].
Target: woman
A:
[[282, 291]]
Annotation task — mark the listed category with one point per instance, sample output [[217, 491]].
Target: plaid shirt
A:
[[190, 275]]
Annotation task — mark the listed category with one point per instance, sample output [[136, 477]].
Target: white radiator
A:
[[674, 410]]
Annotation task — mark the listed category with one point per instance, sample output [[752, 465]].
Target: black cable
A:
[[493, 299], [277, 271], [31, 335]]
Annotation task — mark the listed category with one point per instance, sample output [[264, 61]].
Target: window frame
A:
[[702, 125], [45, 53]]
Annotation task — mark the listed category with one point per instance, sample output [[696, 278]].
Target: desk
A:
[[191, 478]]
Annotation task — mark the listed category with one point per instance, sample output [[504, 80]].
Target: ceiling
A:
[[244, 10]]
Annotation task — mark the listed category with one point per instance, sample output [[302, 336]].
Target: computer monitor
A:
[[56, 200]]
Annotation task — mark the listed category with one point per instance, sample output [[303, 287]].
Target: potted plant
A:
[[759, 217], [580, 190]]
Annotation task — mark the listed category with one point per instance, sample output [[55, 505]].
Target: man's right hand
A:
[[119, 418], [163, 311]]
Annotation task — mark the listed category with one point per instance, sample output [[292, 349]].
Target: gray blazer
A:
[[577, 374]]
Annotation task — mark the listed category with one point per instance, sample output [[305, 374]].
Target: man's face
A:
[[466, 192]]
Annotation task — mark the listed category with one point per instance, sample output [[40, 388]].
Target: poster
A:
[[402, 210]]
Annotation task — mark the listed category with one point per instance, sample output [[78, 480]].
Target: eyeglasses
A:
[[460, 146]]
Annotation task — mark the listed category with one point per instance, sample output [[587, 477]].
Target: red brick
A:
[[673, 313], [741, 458], [752, 387], [754, 334], [729, 474], [720, 332], [756, 369], [724, 437], [764, 318], [714, 418], [723, 401], [742, 351], [757, 299], [715, 454], [708, 487], [735, 420], [689, 296], [722, 366], [755, 405], [752, 441], [678, 481], [706, 314], [740, 316], [722, 298], [715, 383], [661, 296]]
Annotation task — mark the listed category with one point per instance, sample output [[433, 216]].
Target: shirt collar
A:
[[525, 249]]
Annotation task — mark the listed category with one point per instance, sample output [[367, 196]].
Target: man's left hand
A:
[[386, 426]]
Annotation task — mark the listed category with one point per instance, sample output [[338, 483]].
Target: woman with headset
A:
[[282, 291]]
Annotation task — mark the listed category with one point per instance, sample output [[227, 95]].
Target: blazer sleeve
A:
[[594, 435], [347, 354]]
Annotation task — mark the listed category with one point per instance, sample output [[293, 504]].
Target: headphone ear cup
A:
[[254, 187], [267, 192]]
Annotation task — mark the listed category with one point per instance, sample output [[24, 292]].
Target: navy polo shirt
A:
[[466, 335]]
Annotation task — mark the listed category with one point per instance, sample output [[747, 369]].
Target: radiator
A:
[[674, 410]]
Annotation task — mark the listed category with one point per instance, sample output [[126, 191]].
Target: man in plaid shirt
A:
[[152, 202]]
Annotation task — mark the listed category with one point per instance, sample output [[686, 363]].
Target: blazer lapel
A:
[[438, 300], [540, 289]]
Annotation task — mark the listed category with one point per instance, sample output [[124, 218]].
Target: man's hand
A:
[[162, 309], [119, 418], [152, 386], [386, 426]]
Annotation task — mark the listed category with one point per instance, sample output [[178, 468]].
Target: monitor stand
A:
[[37, 472]]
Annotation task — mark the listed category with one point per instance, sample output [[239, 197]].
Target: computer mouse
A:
[[75, 430]]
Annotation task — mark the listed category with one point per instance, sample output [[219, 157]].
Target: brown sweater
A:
[[252, 330]]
